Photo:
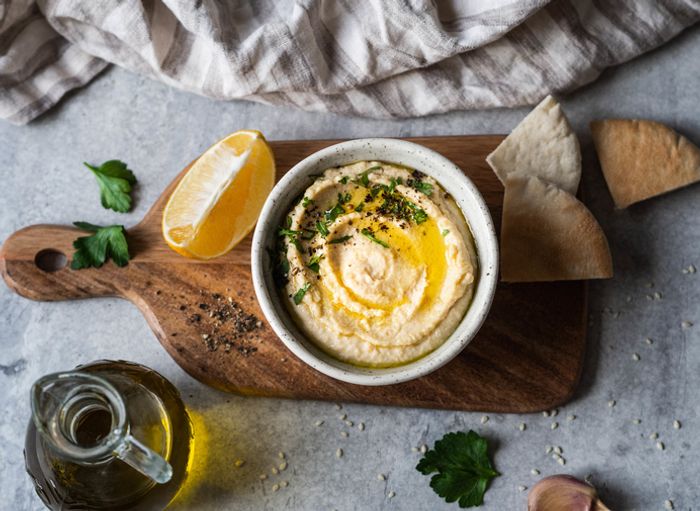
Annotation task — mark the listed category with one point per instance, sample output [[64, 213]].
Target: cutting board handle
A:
[[35, 263]]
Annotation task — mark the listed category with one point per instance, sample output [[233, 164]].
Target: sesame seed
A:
[[281, 455], [649, 284], [548, 449], [535, 472], [391, 494], [554, 425], [318, 423], [658, 296], [239, 463], [558, 450], [612, 403], [556, 456], [676, 424], [414, 449], [636, 421], [628, 299], [636, 357], [361, 426], [522, 426], [522, 488], [275, 487], [545, 414], [668, 504], [349, 424], [654, 436], [381, 477], [274, 471], [484, 419], [649, 341], [571, 417], [338, 406], [660, 446], [283, 466], [650, 297], [691, 269], [344, 434], [553, 413], [423, 448], [343, 417], [284, 484], [262, 477], [339, 453], [561, 461], [686, 324]]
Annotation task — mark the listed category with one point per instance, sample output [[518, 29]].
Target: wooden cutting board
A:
[[527, 357]]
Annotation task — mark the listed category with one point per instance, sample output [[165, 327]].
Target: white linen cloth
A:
[[376, 58]]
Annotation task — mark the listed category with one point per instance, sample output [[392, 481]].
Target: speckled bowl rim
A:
[[412, 155]]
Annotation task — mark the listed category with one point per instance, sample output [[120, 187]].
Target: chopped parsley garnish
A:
[[363, 177], [462, 468], [343, 198], [306, 201], [299, 295], [445, 232], [369, 234], [106, 242], [360, 207], [342, 239], [392, 185], [291, 235], [422, 186], [280, 265], [322, 229], [313, 263], [343, 180], [307, 234], [419, 215], [334, 213]]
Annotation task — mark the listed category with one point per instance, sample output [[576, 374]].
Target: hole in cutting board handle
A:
[[50, 260]]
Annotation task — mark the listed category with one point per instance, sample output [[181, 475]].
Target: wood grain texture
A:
[[527, 357]]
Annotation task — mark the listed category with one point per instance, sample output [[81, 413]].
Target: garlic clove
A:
[[564, 493]]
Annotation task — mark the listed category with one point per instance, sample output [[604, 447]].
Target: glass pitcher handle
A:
[[141, 458]]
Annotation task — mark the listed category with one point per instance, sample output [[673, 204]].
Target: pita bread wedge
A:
[[542, 145], [642, 159], [548, 234]]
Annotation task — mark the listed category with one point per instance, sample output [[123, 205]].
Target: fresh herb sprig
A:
[[94, 250], [116, 182], [462, 468]]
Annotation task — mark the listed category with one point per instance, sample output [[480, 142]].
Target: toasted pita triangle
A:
[[542, 145], [548, 234], [641, 159]]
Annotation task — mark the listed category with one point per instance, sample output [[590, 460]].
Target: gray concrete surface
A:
[[157, 130]]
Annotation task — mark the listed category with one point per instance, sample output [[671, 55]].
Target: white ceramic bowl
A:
[[451, 178]]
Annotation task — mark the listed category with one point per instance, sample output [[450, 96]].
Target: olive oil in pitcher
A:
[[108, 435]]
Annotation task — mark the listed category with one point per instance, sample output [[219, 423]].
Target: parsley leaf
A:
[[322, 228], [422, 186], [343, 180], [360, 207], [115, 181], [299, 295], [334, 212], [313, 263], [106, 242], [445, 232], [340, 240], [463, 468], [367, 233], [306, 201]]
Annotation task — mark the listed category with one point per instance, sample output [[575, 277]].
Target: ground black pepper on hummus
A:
[[377, 264]]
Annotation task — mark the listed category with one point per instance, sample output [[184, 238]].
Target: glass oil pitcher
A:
[[108, 435]]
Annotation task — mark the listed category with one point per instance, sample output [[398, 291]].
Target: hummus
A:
[[377, 264]]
